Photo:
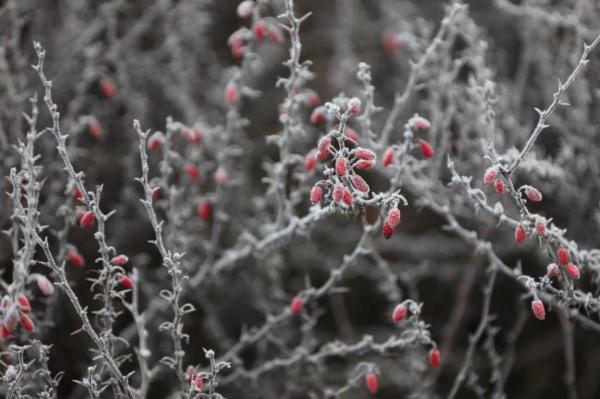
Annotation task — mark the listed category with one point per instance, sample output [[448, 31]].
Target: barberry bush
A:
[[299, 199]]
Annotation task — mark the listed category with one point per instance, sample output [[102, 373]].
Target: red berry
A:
[[351, 135], [537, 307], [552, 270], [95, 129], [388, 157], [322, 155], [275, 34], [372, 383], [221, 176], [310, 162], [499, 186], [75, 257], [363, 153], [341, 166], [236, 42], [194, 136], [338, 192], [364, 164], [388, 230], [393, 217], [573, 271], [426, 149], [418, 122], [192, 171], [198, 383], [434, 357], [244, 9], [312, 98], [86, 219], [540, 227], [360, 184], [296, 306], [347, 197], [318, 116], [315, 194], [399, 312], [520, 234], [324, 144], [260, 28], [231, 93], [45, 286], [77, 194], [203, 210], [4, 331], [155, 141], [489, 176], [119, 260], [533, 194], [125, 281], [354, 105], [391, 43], [23, 302], [26, 323], [108, 88], [563, 256]]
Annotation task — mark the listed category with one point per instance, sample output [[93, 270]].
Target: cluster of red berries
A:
[[416, 123], [194, 378], [15, 312]]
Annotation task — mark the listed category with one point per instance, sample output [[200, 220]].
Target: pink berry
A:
[[26, 323], [260, 29], [540, 227], [75, 257], [363, 153], [489, 176], [341, 166], [324, 144], [231, 93], [198, 383], [388, 230], [244, 9], [552, 270], [351, 135], [120, 260], [426, 149], [393, 217], [399, 312], [23, 302], [388, 157], [310, 162], [155, 141], [391, 43], [338, 192], [296, 306], [45, 286], [275, 34], [108, 88], [347, 197], [538, 309], [221, 176], [573, 271], [194, 136], [354, 105], [520, 234], [418, 122], [499, 186], [312, 98], [434, 357], [318, 116], [360, 184], [533, 194], [125, 281], [322, 155], [372, 383], [563, 256], [95, 129], [316, 194], [363, 164], [86, 219], [192, 171], [204, 209]]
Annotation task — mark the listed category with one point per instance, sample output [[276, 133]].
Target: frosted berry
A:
[[316, 194], [399, 312], [540, 227], [198, 383], [23, 302], [260, 29], [388, 157], [26, 323], [434, 357], [364, 164], [347, 197], [538, 309], [192, 171], [86, 219], [194, 136], [125, 281], [74, 257], [338, 192], [45, 286], [499, 186], [275, 34], [341, 166], [155, 141], [324, 144], [203, 210], [312, 98], [393, 217], [520, 234], [317, 116], [533, 194], [426, 149], [296, 306], [108, 88], [351, 135], [489, 176], [231, 93], [388, 230], [4, 331], [363, 153], [552, 270], [563, 256], [322, 155], [221, 176], [310, 162], [418, 122], [573, 271], [244, 9], [354, 105], [360, 184], [372, 383], [77, 194], [95, 129], [119, 260]]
